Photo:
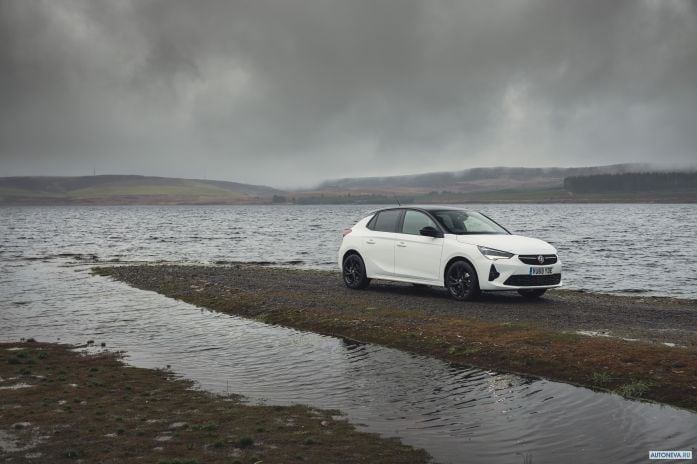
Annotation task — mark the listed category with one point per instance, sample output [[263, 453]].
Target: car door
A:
[[417, 256], [379, 243]]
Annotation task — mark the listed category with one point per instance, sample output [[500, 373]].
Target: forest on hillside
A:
[[633, 182]]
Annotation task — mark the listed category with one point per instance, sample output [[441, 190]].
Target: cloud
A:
[[289, 93]]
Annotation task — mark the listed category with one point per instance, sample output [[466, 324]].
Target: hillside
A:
[[128, 189], [637, 182], [489, 185], [479, 185], [473, 180]]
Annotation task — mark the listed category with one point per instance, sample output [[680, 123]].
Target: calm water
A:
[[456, 414], [611, 248]]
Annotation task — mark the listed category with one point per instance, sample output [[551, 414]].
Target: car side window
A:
[[414, 221], [387, 220]]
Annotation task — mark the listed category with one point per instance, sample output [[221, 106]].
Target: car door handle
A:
[[370, 242], [401, 244]]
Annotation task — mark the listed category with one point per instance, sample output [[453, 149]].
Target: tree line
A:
[[633, 182]]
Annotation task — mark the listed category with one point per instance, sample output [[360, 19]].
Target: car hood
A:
[[512, 243]]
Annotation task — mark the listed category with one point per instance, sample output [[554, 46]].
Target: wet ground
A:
[[449, 410], [90, 408], [656, 319]]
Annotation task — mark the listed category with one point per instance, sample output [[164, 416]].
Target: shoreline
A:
[[60, 404], [514, 200], [500, 332]]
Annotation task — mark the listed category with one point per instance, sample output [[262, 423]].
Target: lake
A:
[[626, 249], [47, 292]]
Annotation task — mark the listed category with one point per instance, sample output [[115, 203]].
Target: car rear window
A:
[[386, 221]]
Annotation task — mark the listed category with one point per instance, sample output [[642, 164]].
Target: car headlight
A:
[[494, 254]]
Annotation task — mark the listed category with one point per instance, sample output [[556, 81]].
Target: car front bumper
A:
[[513, 274]]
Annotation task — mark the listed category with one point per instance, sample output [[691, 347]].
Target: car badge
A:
[[541, 259]]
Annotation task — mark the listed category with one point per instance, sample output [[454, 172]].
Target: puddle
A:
[[17, 441], [448, 410], [605, 333], [16, 386], [608, 334]]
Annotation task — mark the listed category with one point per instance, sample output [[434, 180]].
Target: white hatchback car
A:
[[463, 251]]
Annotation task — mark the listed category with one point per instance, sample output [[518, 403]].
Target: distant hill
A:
[[616, 183], [637, 182], [489, 185], [128, 189], [473, 180]]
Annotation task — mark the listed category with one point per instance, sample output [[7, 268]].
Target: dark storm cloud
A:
[[290, 92]]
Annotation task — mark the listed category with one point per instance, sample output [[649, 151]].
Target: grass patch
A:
[[245, 442], [600, 378], [178, 461], [209, 427], [636, 389]]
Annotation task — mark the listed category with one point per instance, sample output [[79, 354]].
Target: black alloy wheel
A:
[[353, 271], [532, 293], [461, 281]]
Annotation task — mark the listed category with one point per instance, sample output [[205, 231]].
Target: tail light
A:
[[346, 232]]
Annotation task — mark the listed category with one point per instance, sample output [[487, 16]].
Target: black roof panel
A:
[[422, 207]]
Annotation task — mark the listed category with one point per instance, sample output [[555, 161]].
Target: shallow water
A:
[[457, 414], [610, 248]]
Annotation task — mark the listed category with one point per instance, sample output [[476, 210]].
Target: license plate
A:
[[540, 270]]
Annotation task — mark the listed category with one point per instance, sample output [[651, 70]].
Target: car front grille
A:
[[533, 280], [535, 259]]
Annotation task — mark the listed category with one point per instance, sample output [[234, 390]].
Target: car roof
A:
[[421, 207], [425, 208]]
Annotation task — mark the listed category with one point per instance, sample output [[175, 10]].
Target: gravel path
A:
[[649, 318]]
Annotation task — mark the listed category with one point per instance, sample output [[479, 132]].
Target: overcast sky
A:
[[291, 92]]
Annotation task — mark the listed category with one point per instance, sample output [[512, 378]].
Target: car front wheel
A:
[[353, 271], [461, 281], [532, 293]]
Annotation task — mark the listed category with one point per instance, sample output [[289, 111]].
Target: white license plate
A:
[[540, 270]]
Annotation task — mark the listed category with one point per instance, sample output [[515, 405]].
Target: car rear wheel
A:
[[461, 281], [353, 271], [532, 293]]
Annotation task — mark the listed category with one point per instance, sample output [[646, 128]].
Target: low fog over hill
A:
[[474, 180]]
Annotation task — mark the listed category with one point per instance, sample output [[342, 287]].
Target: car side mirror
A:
[[429, 231]]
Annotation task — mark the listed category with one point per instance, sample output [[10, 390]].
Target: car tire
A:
[[353, 272], [461, 281], [532, 293]]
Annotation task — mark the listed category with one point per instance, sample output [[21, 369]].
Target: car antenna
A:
[[397, 200]]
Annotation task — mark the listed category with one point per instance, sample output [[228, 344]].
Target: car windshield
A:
[[464, 223]]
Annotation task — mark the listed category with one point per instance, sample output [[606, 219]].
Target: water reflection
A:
[[457, 414]]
